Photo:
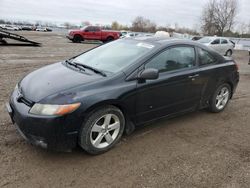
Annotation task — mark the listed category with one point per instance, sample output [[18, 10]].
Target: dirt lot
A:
[[196, 150]]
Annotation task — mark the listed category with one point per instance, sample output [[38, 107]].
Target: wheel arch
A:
[[231, 87], [129, 123], [110, 36], [78, 35], [224, 81]]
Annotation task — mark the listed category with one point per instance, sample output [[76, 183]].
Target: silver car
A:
[[221, 45]]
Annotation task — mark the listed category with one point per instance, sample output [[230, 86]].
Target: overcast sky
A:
[[163, 12]]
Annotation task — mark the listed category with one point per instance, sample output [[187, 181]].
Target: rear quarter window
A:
[[205, 58], [224, 41]]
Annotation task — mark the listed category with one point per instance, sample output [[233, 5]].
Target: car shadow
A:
[[164, 124]]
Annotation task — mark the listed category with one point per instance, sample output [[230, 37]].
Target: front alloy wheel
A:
[[102, 129], [105, 131]]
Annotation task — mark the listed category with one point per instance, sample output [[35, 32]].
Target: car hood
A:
[[52, 79], [74, 31]]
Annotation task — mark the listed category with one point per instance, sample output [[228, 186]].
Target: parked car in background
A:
[[220, 44], [137, 34], [27, 28], [124, 32], [41, 29], [10, 27], [162, 34], [44, 29], [196, 38], [48, 29], [93, 33], [91, 99]]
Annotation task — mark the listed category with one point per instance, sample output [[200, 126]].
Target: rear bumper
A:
[[53, 133]]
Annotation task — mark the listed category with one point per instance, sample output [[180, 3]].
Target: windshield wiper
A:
[[91, 68], [74, 65]]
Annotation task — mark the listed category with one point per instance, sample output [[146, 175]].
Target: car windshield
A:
[[114, 56], [205, 40], [83, 28]]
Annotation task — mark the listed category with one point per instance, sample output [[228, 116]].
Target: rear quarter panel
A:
[[217, 74]]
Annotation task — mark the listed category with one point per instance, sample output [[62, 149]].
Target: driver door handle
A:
[[193, 76]]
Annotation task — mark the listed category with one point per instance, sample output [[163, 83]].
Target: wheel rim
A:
[[105, 131], [222, 98]]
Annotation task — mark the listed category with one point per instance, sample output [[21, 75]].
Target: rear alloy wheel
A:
[[220, 98], [229, 53], [102, 130]]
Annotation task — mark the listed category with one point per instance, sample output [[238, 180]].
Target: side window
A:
[[90, 28], [216, 41], [96, 29], [173, 59], [205, 58], [224, 41]]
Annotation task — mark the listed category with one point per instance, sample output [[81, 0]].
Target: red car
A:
[[93, 33]]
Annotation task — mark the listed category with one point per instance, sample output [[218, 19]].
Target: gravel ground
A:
[[198, 149]]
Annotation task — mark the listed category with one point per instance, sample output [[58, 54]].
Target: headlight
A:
[[52, 110], [16, 87]]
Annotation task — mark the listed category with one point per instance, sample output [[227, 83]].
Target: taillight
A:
[[237, 66]]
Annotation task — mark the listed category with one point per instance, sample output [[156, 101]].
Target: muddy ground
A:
[[199, 149]]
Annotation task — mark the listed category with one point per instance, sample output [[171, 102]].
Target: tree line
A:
[[219, 17]]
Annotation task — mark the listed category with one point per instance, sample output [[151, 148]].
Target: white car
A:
[[10, 27], [41, 29], [221, 45], [137, 34]]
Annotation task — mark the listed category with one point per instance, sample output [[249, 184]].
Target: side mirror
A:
[[149, 74]]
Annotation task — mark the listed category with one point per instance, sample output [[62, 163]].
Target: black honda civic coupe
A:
[[92, 99]]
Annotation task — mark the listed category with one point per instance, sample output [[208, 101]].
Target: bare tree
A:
[[141, 24], [115, 25], [86, 23], [218, 16]]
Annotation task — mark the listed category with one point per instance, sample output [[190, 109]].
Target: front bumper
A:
[[70, 37], [54, 133]]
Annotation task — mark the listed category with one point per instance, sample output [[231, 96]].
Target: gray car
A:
[[220, 44]]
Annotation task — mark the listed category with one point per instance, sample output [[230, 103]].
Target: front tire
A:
[[101, 130], [77, 39], [220, 98]]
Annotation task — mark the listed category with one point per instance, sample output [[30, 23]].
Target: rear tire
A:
[[220, 98], [3, 41], [101, 130], [229, 53], [77, 39], [109, 39]]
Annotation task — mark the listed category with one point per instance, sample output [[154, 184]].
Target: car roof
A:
[[163, 41], [214, 37]]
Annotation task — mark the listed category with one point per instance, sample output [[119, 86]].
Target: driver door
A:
[[177, 89]]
